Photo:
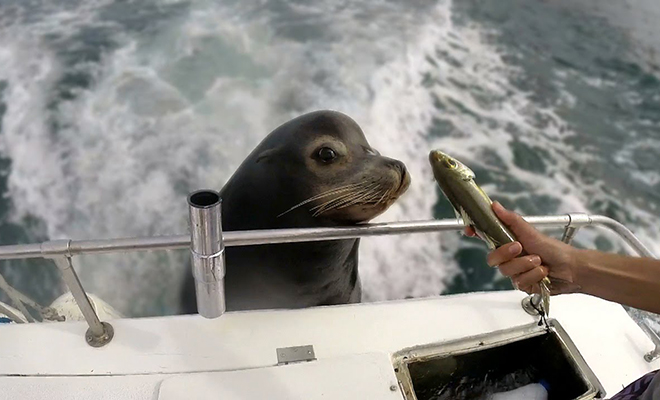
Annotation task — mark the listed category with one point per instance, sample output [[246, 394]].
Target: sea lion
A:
[[316, 170]]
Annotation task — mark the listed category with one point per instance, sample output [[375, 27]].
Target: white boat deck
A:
[[234, 356]]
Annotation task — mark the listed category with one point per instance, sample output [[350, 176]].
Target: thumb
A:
[[519, 227]]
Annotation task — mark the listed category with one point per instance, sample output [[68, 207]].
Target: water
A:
[[112, 111]]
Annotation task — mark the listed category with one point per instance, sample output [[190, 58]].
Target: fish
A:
[[473, 206]]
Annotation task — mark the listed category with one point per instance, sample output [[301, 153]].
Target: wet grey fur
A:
[[272, 179]]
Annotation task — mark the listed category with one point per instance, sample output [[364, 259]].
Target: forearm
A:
[[631, 281]]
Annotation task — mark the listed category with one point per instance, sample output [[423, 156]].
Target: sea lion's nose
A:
[[400, 168], [397, 165]]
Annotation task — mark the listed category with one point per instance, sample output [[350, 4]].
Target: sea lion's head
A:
[[321, 164]]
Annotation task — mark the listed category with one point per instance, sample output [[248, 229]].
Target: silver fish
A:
[[473, 205]]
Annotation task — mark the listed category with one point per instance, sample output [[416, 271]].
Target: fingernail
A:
[[515, 248], [536, 260]]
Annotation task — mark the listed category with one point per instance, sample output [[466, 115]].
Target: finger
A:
[[514, 221], [534, 289], [469, 231], [503, 253], [519, 265], [515, 286], [527, 280]]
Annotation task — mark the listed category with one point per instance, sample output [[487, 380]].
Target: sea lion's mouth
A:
[[404, 183], [391, 195], [358, 201]]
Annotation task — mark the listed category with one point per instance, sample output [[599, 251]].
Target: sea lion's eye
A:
[[326, 154], [449, 163]]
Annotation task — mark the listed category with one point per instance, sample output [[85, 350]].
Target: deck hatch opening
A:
[[479, 367]]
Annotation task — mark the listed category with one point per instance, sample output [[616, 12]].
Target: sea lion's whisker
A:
[[332, 204], [351, 201], [370, 191], [366, 192], [373, 193], [376, 196], [318, 196], [328, 204], [385, 194], [346, 200], [328, 193], [351, 192], [363, 197]]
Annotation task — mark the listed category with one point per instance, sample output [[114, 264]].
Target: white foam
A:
[[168, 114], [534, 391], [135, 143]]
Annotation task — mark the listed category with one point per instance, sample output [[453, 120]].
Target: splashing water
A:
[[111, 112]]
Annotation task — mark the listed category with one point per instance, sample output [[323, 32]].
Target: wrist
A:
[[579, 267]]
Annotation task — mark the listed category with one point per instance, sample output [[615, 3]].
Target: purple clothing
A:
[[645, 388]]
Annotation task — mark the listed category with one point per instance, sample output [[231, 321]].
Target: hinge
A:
[[295, 354]]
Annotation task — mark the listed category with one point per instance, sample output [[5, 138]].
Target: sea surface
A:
[[112, 111]]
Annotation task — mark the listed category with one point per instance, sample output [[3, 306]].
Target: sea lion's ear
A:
[[267, 154]]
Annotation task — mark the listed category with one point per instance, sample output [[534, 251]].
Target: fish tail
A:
[[545, 295]]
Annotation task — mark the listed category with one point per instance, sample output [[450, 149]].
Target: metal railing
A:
[[61, 251]]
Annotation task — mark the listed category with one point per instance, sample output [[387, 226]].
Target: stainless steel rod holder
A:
[[207, 252]]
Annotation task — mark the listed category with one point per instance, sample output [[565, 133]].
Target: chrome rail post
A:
[[207, 252], [576, 220], [532, 303], [99, 333], [214, 262], [11, 315], [655, 353], [16, 300], [639, 247], [569, 234], [624, 233]]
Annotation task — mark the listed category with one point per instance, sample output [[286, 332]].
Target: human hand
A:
[[544, 256]]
